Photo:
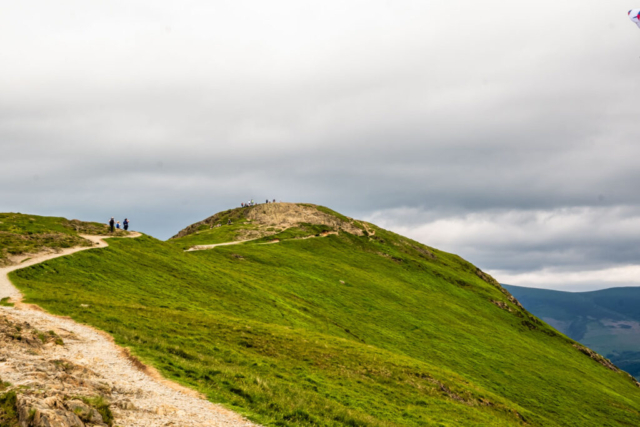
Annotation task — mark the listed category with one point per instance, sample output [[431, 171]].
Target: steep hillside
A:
[[338, 323], [22, 234], [607, 321]]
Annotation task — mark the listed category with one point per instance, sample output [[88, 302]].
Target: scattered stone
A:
[[503, 305], [424, 251], [598, 358], [515, 302], [166, 410], [85, 412], [54, 402], [126, 405], [487, 278], [33, 413]]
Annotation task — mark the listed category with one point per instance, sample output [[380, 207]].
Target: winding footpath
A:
[[140, 396], [237, 242], [215, 245]]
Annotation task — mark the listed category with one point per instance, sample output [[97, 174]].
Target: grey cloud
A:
[[520, 244], [168, 112]]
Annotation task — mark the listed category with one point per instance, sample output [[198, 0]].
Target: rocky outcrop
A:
[[598, 358], [490, 280], [51, 392], [285, 215], [487, 278], [54, 373], [54, 412], [503, 305]]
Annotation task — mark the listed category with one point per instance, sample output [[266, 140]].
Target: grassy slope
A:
[[20, 233], [227, 233], [339, 330], [204, 234]]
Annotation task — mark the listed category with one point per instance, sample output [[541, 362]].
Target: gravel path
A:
[[215, 245], [157, 401], [205, 247]]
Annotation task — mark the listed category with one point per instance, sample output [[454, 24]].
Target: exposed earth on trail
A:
[[56, 372], [71, 374]]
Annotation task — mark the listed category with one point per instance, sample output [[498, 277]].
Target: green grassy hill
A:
[[339, 323], [607, 321]]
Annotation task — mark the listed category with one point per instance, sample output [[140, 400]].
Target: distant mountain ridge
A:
[[607, 320]]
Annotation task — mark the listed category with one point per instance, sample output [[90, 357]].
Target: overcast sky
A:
[[504, 132]]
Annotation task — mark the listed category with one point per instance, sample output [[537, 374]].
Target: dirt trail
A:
[[206, 247], [215, 245], [150, 400]]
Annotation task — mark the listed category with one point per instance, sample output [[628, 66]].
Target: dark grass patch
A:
[[101, 405], [8, 410]]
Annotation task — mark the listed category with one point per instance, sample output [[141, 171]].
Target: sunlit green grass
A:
[[222, 234], [339, 330]]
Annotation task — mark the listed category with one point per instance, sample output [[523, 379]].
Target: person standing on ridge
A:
[[118, 225], [112, 223], [126, 224]]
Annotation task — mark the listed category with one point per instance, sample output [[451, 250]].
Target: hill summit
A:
[[296, 315], [270, 218]]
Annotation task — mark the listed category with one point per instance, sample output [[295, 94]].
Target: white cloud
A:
[[579, 247], [628, 275]]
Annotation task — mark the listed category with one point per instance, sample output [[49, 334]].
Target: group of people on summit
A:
[[252, 203], [113, 225]]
